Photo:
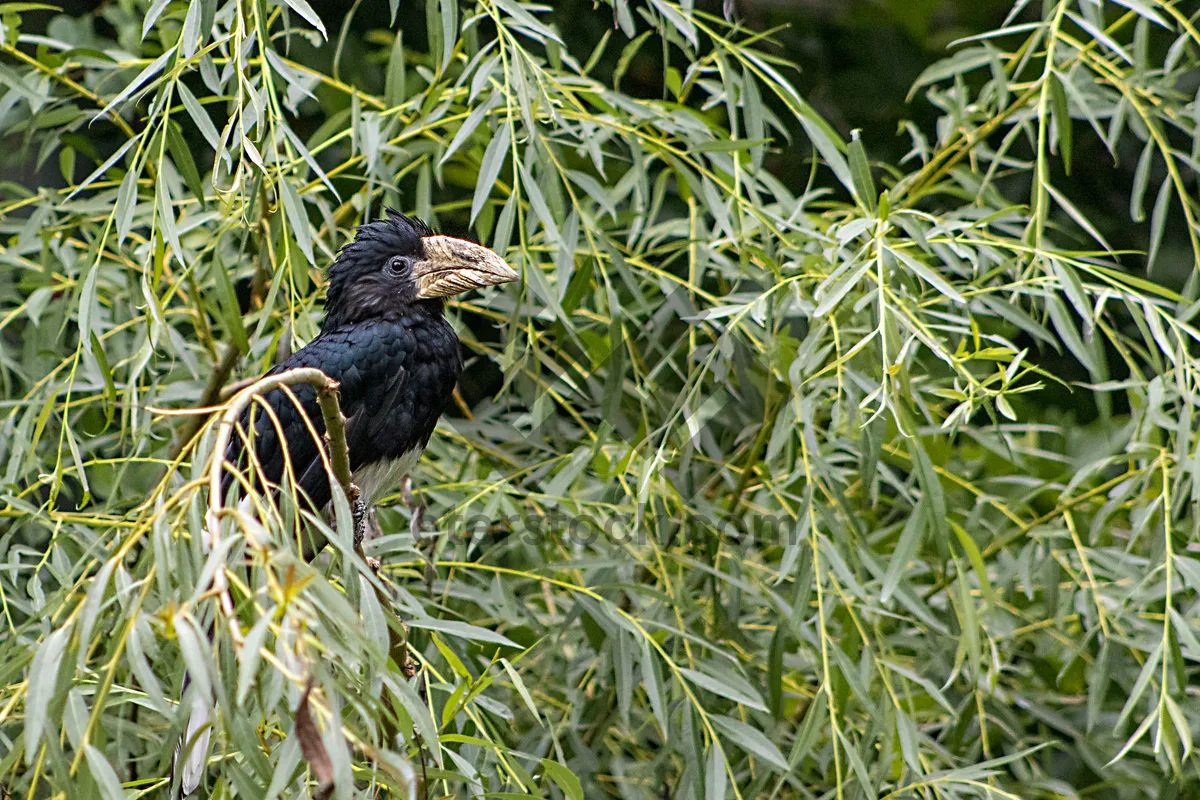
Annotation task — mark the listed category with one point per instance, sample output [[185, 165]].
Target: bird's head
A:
[[398, 264]]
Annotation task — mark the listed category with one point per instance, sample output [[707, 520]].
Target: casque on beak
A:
[[452, 266]]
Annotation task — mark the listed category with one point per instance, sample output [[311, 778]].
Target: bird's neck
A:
[[372, 306]]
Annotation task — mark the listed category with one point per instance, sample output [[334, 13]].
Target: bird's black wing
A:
[[369, 360]]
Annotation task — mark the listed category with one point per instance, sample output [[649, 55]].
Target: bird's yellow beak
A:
[[452, 266]]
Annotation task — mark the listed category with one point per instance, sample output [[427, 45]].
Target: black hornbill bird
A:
[[385, 340]]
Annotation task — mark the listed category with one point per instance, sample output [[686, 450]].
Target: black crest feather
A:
[[373, 244]]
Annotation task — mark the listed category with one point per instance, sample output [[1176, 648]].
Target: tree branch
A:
[[335, 431]]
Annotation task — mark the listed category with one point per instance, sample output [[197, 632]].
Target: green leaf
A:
[[928, 275], [1158, 221], [1139, 686], [110, 388], [297, 219], [152, 15], [43, 675], [189, 38], [302, 8], [489, 169], [750, 739], [127, 196], [250, 656], [906, 550], [228, 304], [449, 17], [564, 779], [182, 156], [731, 688], [976, 559], [463, 630], [1061, 111], [418, 711], [860, 171], [714, 772], [104, 775]]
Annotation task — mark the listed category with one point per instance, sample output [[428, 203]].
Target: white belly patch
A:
[[378, 479]]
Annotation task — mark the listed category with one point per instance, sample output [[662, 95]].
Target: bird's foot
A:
[[359, 515]]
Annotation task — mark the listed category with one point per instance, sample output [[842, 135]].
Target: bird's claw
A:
[[359, 515]]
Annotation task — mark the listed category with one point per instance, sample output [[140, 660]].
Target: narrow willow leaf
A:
[[564, 779], [1135, 737], [110, 387], [677, 20], [906, 549], [1141, 180], [1139, 686], [652, 683], [1065, 203], [152, 69], [227, 302], [297, 218], [152, 14], [538, 201], [92, 601], [395, 85], [714, 772], [628, 53], [290, 76], [960, 63], [468, 127], [976, 559], [181, 154], [750, 739], [820, 137], [140, 665], [1158, 221], [928, 275], [739, 692], [934, 499], [302, 8], [519, 685], [1143, 9], [189, 38], [43, 675], [449, 17], [834, 289], [195, 653], [1060, 109], [285, 767], [250, 656], [775, 672], [374, 621], [104, 775], [860, 172], [419, 712], [489, 169], [103, 168], [463, 630], [1182, 727], [127, 196]]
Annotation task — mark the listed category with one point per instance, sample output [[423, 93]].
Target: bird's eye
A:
[[398, 265]]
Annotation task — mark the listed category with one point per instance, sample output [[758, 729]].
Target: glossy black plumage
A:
[[397, 372], [396, 357]]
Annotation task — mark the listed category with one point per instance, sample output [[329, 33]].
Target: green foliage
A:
[[879, 483]]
